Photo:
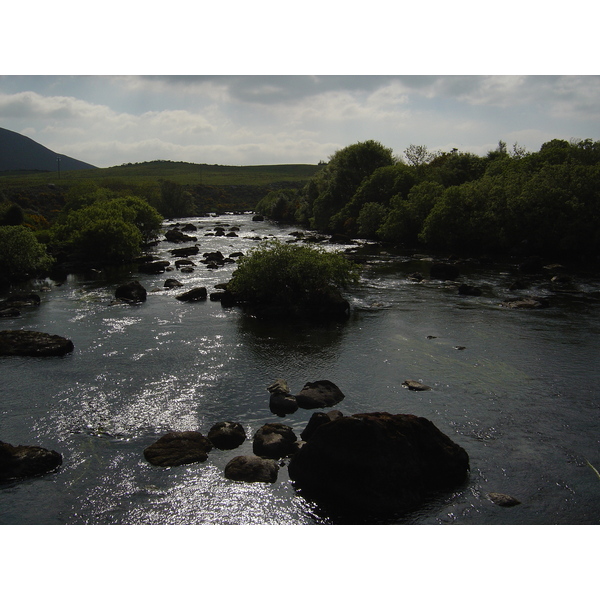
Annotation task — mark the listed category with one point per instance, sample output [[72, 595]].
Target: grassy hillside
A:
[[179, 172], [215, 188]]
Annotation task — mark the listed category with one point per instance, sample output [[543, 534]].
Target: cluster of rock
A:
[[185, 447], [317, 394], [531, 269], [368, 464]]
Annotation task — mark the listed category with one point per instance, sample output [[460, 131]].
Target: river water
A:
[[518, 389]]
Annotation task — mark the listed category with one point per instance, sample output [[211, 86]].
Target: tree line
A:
[[510, 201]]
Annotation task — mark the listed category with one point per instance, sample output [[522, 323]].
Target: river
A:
[[517, 389]]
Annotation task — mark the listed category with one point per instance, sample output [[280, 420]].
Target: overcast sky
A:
[[295, 117], [248, 120]]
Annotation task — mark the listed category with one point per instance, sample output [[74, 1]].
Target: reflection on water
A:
[[517, 389]]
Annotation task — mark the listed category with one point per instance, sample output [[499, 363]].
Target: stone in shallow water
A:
[[415, 386], [376, 464], [17, 462], [503, 499], [33, 343], [178, 448], [252, 469]]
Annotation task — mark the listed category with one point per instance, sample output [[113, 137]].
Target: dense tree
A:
[[21, 255], [338, 181], [175, 201], [379, 187], [456, 168], [407, 215], [370, 218], [542, 202], [108, 230], [279, 205]]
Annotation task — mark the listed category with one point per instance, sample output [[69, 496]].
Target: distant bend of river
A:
[[518, 389]]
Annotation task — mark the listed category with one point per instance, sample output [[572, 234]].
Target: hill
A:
[[19, 153]]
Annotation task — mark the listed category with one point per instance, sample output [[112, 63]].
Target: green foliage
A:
[[407, 215], [175, 201], [469, 217], [278, 273], [370, 218], [380, 187], [21, 255], [280, 205], [456, 168], [337, 183], [107, 230]]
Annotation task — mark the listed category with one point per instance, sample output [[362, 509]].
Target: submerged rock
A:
[[532, 302], [17, 462], [376, 464], [178, 448], [33, 343], [252, 469]]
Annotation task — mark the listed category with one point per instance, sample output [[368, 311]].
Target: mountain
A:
[[19, 153]]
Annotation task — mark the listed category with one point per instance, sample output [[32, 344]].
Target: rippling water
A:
[[517, 389]]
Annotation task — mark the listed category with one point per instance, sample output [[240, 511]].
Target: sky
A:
[[272, 83], [109, 120]]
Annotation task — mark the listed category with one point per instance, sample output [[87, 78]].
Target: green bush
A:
[[21, 255], [285, 274], [108, 230]]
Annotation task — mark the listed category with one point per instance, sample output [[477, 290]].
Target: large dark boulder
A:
[[252, 469], [178, 448], [154, 267], [193, 295], [185, 252], [132, 292], [274, 440], [17, 462], [226, 435], [177, 237], [33, 343], [319, 394], [376, 464]]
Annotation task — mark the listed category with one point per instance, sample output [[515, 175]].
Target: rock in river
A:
[[252, 469], [319, 394], [33, 343], [226, 435], [274, 440], [193, 295], [376, 464], [178, 448], [281, 401], [17, 462], [132, 292]]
